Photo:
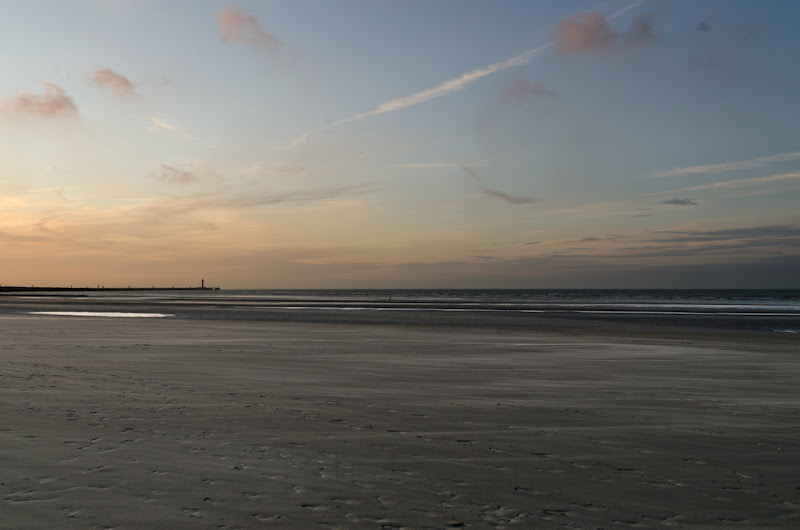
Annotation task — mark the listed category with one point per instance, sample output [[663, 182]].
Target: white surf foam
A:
[[101, 314]]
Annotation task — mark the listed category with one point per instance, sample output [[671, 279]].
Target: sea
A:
[[772, 310]]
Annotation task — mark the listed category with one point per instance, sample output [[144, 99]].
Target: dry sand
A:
[[132, 423]]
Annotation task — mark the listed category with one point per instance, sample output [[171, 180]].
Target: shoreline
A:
[[214, 308]]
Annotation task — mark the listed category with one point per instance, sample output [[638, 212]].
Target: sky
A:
[[400, 144]]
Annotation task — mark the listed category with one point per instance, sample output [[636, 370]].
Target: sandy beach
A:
[[169, 423]]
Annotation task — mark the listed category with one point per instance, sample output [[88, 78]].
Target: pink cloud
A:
[[54, 103], [120, 84], [590, 32], [584, 32], [237, 25]]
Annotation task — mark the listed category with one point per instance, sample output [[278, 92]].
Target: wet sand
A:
[[170, 423]]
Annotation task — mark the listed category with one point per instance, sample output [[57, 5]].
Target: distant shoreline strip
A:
[[622, 310]]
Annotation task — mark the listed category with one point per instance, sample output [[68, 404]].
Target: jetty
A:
[[99, 288]]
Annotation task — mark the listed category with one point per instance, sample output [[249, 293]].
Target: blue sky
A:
[[400, 144]]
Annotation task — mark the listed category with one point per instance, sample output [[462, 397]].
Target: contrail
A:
[[626, 9], [450, 86], [442, 89]]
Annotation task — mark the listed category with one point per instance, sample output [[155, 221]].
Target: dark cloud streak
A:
[[497, 194], [680, 202], [520, 90], [510, 199], [641, 30]]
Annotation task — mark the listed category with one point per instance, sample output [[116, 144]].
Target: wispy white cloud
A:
[[297, 141], [746, 183], [627, 8], [188, 204], [739, 165], [421, 166], [275, 171], [164, 124], [168, 126], [425, 165]]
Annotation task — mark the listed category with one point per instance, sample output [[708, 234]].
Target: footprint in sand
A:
[[252, 496], [316, 507], [591, 507], [530, 491], [346, 501], [503, 515], [266, 518], [19, 496], [95, 469]]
